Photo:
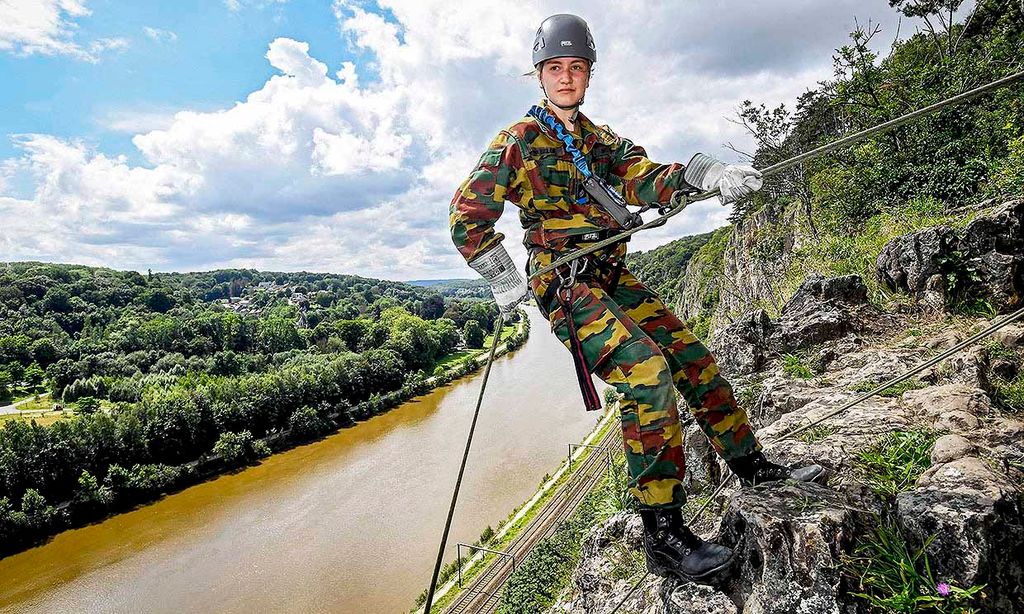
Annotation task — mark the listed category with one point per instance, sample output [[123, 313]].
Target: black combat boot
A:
[[754, 469], [673, 550]]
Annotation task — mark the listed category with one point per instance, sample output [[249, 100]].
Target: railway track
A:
[[481, 596]]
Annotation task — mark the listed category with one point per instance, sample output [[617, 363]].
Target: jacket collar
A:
[[587, 130]]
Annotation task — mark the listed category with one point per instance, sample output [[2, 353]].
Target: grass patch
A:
[[38, 403], [817, 433], [805, 504], [794, 366], [450, 570], [455, 358], [893, 577], [896, 390], [750, 394], [998, 350], [46, 420], [1010, 393], [506, 332], [894, 463]]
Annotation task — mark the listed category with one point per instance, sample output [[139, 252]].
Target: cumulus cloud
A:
[[47, 27], [351, 168]]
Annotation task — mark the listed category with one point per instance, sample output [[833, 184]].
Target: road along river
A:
[[350, 523]]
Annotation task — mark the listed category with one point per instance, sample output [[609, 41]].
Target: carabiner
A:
[[575, 268]]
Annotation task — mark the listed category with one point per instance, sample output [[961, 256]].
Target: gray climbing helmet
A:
[[563, 36]]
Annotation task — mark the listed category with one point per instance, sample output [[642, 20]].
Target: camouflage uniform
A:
[[628, 336]]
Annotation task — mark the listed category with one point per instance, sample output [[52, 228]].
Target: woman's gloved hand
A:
[[507, 285], [734, 181]]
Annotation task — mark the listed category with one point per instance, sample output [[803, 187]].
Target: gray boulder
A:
[[823, 309], [993, 249], [916, 264], [741, 347], [789, 540], [975, 516]]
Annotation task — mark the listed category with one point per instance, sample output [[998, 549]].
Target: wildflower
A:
[[943, 589]]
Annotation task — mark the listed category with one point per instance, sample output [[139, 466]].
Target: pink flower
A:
[[943, 589]]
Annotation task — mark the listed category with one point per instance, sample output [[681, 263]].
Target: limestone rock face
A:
[[789, 539], [917, 263], [974, 517], [987, 257], [742, 346], [823, 309]]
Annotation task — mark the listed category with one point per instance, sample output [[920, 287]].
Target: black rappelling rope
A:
[[679, 201], [462, 468]]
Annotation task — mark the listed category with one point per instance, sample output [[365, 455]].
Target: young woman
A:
[[571, 181]]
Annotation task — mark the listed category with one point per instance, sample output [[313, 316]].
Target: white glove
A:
[[507, 285], [734, 181]]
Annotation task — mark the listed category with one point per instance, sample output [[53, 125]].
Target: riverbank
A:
[[141, 485], [508, 530], [365, 505]]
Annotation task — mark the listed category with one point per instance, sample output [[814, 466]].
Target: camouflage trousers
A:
[[633, 342]]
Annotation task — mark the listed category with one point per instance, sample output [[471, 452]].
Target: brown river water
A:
[[350, 523]]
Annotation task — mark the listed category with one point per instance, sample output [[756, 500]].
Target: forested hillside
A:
[[156, 370], [833, 215], [659, 268]]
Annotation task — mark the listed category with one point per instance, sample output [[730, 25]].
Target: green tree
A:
[[6, 384], [158, 300], [87, 405], [34, 375], [44, 352], [473, 334]]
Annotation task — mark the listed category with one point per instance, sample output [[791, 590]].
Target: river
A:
[[350, 523]]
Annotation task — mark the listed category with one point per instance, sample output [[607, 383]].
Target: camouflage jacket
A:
[[526, 165]]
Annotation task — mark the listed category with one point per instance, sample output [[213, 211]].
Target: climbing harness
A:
[[677, 203], [563, 292]]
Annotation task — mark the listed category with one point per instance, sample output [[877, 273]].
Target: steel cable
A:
[[678, 202], [793, 433]]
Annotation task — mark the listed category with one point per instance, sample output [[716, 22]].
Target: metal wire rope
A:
[[678, 202], [462, 468], [867, 395]]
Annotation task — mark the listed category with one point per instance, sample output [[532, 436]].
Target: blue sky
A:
[[215, 59], [330, 135]]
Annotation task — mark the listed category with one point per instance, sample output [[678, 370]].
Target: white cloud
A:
[[136, 121], [352, 171], [158, 34], [47, 27]]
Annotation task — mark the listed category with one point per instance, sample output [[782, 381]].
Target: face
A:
[[565, 80]]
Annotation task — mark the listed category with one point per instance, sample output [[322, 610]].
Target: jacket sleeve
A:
[[480, 199], [643, 181]]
